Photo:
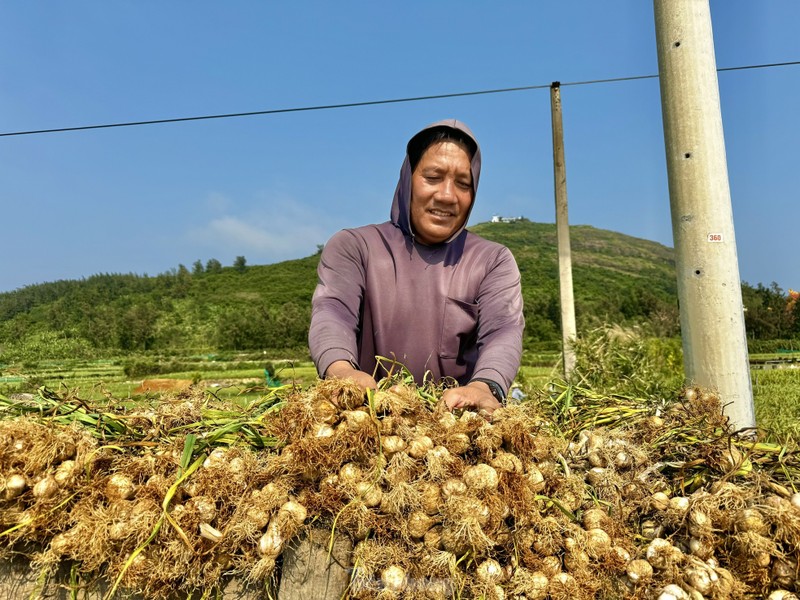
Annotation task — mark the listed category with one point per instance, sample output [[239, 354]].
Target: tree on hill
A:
[[213, 266], [768, 314], [183, 281], [137, 327]]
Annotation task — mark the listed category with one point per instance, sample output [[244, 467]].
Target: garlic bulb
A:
[[673, 592], [394, 578], [639, 571], [16, 484], [481, 477]]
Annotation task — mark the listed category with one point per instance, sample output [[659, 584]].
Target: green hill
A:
[[617, 279]]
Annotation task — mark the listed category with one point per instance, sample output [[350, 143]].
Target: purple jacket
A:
[[449, 310]]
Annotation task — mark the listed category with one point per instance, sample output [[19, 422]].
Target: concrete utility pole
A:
[[709, 288], [568, 329]]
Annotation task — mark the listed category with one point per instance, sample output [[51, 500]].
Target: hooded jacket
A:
[[449, 310]]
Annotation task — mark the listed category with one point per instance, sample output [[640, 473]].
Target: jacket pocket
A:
[[459, 330]]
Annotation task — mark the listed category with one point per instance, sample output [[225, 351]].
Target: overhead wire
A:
[[368, 102]]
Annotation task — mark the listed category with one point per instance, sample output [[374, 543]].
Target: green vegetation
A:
[[625, 363], [777, 403], [216, 308]]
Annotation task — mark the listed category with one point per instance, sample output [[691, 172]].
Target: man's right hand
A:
[[341, 369]]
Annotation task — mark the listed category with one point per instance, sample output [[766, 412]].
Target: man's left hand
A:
[[475, 396]]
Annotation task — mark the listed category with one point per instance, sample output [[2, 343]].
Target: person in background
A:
[[420, 288]]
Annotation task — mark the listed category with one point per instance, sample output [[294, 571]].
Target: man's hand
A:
[[475, 396], [341, 369]]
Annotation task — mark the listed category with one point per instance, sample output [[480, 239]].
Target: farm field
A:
[[97, 379], [776, 392]]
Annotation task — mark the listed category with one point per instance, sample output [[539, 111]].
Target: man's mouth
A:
[[440, 213]]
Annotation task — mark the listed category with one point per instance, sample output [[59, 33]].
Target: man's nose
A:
[[447, 190]]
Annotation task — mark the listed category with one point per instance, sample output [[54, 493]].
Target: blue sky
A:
[[146, 199]]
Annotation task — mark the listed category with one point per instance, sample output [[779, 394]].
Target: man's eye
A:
[[464, 185]]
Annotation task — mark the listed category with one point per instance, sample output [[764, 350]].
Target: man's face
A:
[[441, 192]]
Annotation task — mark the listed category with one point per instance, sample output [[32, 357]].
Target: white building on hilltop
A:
[[499, 219]]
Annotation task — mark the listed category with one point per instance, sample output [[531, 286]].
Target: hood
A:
[[401, 205]]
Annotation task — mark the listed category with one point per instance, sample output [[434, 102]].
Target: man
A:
[[420, 288]]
